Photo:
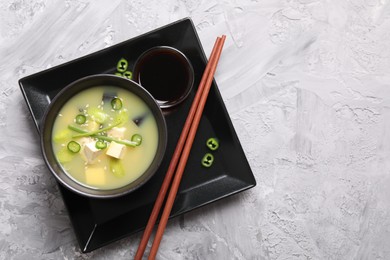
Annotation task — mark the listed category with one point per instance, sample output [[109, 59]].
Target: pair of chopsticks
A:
[[180, 156]]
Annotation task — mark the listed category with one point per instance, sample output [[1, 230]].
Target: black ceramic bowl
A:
[[69, 91]]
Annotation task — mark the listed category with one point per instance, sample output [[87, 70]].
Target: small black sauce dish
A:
[[167, 73]]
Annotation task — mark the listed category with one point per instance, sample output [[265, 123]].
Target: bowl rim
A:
[[59, 100]]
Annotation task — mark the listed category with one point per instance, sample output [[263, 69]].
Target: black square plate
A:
[[98, 222]]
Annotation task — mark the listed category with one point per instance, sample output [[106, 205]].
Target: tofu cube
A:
[[95, 176], [91, 152], [117, 132], [116, 150]]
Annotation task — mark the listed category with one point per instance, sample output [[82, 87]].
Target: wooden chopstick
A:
[[186, 152], [175, 158], [188, 133]]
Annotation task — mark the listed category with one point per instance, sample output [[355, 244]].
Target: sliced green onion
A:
[[100, 144], [64, 155], [127, 74], [122, 65], [116, 167], [137, 139], [74, 146], [116, 103], [119, 74], [62, 135], [207, 160], [212, 144], [80, 119], [97, 115], [121, 117]]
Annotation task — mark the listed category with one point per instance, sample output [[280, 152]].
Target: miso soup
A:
[[105, 137]]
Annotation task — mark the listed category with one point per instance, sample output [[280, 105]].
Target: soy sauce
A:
[[165, 73]]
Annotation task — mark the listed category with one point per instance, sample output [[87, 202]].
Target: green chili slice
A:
[[74, 147], [128, 74], [116, 103], [64, 155], [137, 139], [212, 144], [80, 119], [100, 144], [207, 160], [122, 65]]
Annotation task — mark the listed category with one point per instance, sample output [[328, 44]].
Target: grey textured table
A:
[[307, 85]]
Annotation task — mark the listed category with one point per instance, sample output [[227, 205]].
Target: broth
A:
[[105, 151]]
